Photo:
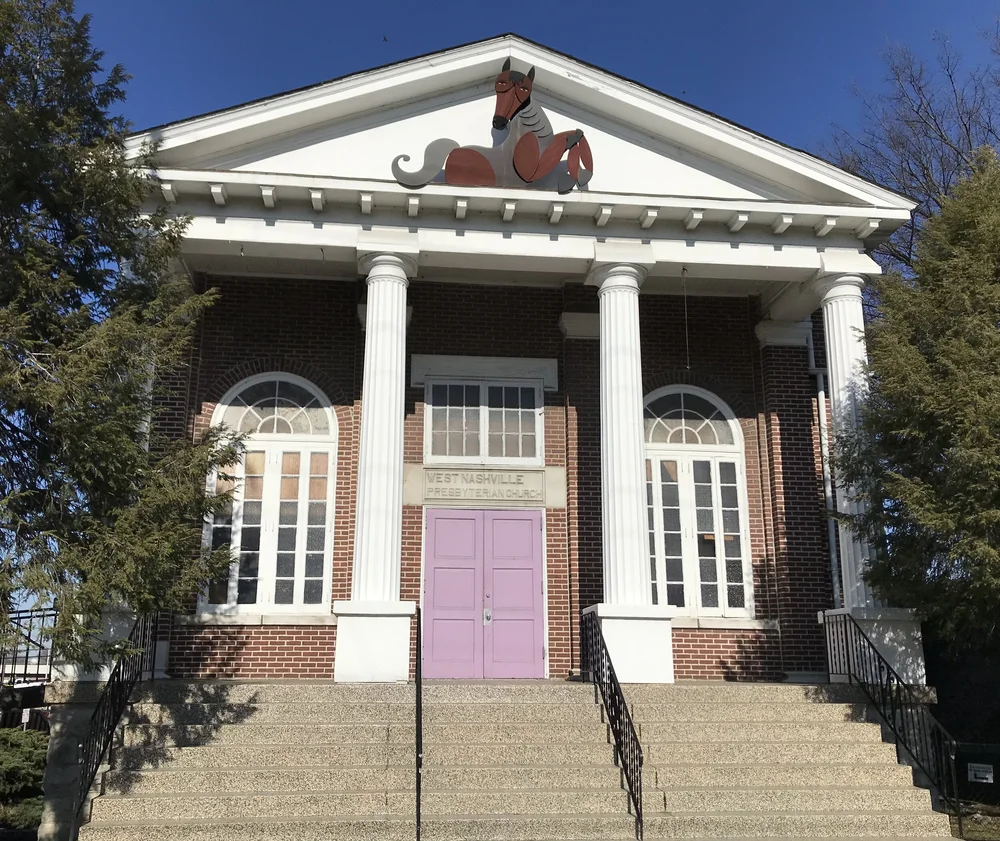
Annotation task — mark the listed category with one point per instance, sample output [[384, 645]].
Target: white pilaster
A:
[[636, 631], [373, 633], [844, 326]]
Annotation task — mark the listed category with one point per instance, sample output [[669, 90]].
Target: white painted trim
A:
[[580, 325], [353, 608], [257, 619], [724, 623], [423, 367], [632, 611], [784, 333], [545, 594]]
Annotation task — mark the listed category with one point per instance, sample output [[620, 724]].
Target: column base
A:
[[639, 640], [373, 641], [896, 634]]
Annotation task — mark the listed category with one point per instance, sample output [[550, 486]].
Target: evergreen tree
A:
[[926, 455], [97, 508]]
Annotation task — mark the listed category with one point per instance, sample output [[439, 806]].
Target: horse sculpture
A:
[[529, 152]]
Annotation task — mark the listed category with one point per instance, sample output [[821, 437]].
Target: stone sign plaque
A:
[[483, 486]]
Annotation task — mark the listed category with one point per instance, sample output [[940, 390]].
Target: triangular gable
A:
[[641, 142]]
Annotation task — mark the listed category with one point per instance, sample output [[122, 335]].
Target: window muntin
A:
[[280, 522], [696, 505], [483, 421]]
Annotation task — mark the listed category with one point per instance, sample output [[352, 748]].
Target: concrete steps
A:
[[528, 761], [760, 760]]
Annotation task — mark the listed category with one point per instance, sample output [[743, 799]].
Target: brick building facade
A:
[[513, 403]]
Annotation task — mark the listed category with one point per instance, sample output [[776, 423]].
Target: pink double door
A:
[[483, 614]]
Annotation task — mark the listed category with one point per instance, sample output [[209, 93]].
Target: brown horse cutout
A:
[[529, 154]]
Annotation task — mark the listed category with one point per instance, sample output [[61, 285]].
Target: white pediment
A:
[[625, 161], [642, 142]]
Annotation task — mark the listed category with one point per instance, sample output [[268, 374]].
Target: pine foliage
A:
[[926, 457], [97, 507]]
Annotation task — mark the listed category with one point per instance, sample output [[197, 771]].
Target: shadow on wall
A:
[[751, 657]]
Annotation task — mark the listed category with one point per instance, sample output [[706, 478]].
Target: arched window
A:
[[699, 556], [280, 525]]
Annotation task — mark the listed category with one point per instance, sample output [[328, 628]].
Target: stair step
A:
[[271, 712], [779, 731], [482, 733], [747, 753], [894, 827], [777, 711], [702, 692], [870, 825], [305, 778], [857, 775], [714, 801], [138, 757], [479, 828], [233, 806], [327, 692]]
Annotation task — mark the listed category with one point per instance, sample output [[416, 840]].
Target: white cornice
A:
[[618, 99], [362, 195]]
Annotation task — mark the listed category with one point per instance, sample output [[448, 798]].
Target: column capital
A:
[[616, 276], [387, 265], [831, 286]]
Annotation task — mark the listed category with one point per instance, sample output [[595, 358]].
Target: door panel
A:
[[453, 595], [513, 578]]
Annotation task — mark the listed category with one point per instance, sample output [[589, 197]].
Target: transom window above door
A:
[[483, 422], [279, 525], [699, 556]]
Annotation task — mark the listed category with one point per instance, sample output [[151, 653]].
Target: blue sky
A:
[[782, 67]]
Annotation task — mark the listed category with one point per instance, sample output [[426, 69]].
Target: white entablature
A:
[[302, 183]]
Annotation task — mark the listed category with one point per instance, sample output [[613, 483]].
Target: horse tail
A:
[[435, 155]]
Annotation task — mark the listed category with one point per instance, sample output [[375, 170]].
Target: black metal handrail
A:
[[850, 652], [596, 664], [25, 648], [419, 690], [135, 660]]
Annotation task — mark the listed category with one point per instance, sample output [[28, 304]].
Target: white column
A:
[[844, 326], [894, 631], [637, 633], [623, 479], [373, 633]]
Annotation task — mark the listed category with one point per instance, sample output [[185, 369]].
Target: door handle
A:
[[487, 616]]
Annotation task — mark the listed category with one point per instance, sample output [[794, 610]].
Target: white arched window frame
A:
[[696, 498], [280, 525]]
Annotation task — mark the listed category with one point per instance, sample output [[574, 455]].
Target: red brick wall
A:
[[310, 328], [244, 652]]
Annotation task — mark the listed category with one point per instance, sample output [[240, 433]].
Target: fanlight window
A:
[[279, 525], [277, 407], [699, 559], [682, 417]]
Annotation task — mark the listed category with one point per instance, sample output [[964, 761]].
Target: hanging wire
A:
[[687, 333]]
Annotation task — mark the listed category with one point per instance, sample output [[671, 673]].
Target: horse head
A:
[[513, 94]]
